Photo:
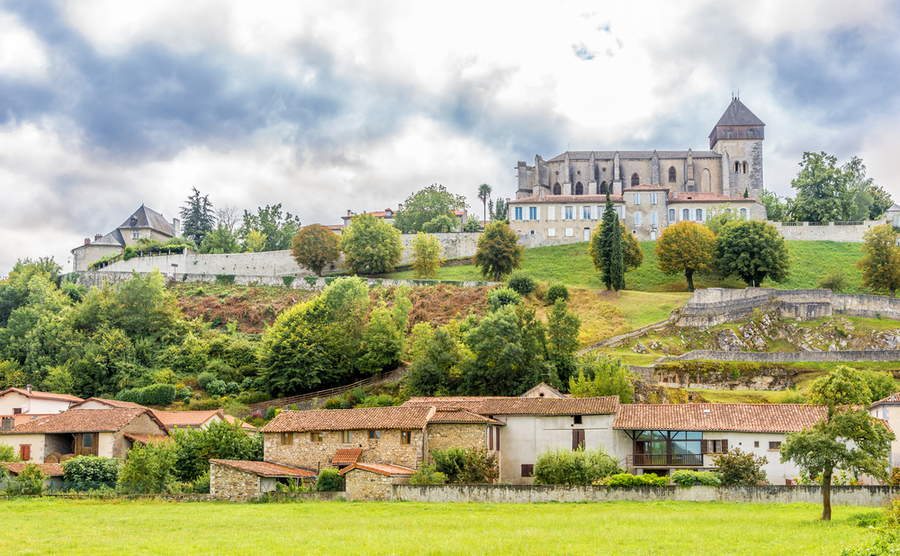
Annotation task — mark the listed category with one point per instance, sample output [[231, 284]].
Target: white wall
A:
[[35, 440], [891, 414]]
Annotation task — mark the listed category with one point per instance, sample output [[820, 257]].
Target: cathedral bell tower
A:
[[738, 137]]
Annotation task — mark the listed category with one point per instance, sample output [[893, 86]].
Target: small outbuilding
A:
[[373, 481], [241, 481], [52, 471]]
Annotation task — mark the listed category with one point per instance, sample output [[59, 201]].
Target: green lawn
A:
[[49, 526]]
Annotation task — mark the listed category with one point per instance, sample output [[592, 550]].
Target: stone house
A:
[[888, 409], [241, 481], [373, 481], [99, 432]]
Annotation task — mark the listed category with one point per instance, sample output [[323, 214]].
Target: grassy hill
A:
[[571, 264]]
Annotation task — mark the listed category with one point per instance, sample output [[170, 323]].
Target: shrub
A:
[[500, 297], [522, 283], [329, 481], [201, 485], [148, 470], [557, 291], [629, 480], [687, 478], [8, 453], [205, 378], [186, 401], [271, 412], [155, 394], [217, 388], [895, 477], [333, 403], [740, 468], [185, 392], [466, 466], [834, 281], [573, 467], [90, 472], [30, 482], [427, 474]]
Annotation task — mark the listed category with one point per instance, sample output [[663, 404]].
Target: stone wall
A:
[[305, 453], [810, 231], [360, 484], [787, 357], [441, 436], [840, 495], [234, 485]]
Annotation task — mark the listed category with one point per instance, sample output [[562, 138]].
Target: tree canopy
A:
[[484, 195], [827, 192], [686, 247], [371, 245], [497, 252], [426, 251], [197, 217], [607, 249], [279, 230], [426, 205], [753, 251], [881, 263], [315, 247]]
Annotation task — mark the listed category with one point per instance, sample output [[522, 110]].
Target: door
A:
[[578, 439], [587, 234]]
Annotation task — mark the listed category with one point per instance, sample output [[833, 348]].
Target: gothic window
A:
[[635, 180], [603, 188], [671, 174], [579, 189], [737, 167], [557, 190], [744, 167]]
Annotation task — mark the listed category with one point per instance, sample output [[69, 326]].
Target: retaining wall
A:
[[847, 356], [840, 495], [803, 231]]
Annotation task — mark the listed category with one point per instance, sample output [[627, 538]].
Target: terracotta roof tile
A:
[[349, 419], [491, 406], [736, 417], [149, 438], [187, 418], [110, 403], [892, 399], [84, 420], [343, 456], [567, 199], [380, 468], [41, 395], [244, 425], [459, 415], [704, 196], [264, 468], [646, 187], [48, 469]]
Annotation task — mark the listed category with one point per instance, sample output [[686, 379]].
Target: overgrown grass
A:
[[50, 526]]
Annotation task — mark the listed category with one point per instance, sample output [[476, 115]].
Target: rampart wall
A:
[[848, 356], [831, 231]]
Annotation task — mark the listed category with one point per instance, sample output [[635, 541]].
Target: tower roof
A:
[[738, 114], [148, 218]]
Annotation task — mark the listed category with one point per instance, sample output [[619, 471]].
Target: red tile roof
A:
[[244, 425], [149, 438], [22, 418], [380, 468], [110, 403], [84, 420], [41, 395], [567, 199], [48, 469], [492, 406], [344, 456], [187, 419], [264, 468], [733, 417], [892, 399], [459, 415], [646, 187], [349, 419]]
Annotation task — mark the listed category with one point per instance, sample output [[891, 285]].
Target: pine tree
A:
[[198, 217]]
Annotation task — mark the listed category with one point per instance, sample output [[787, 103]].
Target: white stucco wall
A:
[[14, 400], [35, 440], [891, 414]]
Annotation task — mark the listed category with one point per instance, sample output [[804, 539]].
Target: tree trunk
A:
[[689, 274], [893, 291], [826, 494]]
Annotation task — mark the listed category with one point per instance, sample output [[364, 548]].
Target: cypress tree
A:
[[608, 230], [616, 258]]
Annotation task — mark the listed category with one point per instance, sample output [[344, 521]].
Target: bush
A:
[[427, 474], [629, 480], [895, 477], [217, 388], [201, 485], [155, 394], [500, 297], [329, 481], [834, 281], [521, 282], [8, 453], [333, 403], [740, 468], [573, 467], [90, 472], [271, 412], [205, 378], [30, 482], [184, 392], [557, 291], [687, 478], [148, 469], [465, 466]]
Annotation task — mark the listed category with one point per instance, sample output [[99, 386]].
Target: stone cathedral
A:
[[732, 165]]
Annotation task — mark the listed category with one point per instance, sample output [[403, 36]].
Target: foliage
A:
[[753, 251], [437, 360], [382, 343], [197, 216], [472, 224], [687, 478], [740, 468], [30, 482], [559, 466], [521, 282], [895, 477], [563, 327], [426, 205], [254, 241], [881, 263], [149, 469], [556, 292], [205, 378], [329, 481], [426, 255], [89, 472], [847, 437], [427, 474], [778, 208], [497, 253], [606, 249], [484, 195], [466, 466], [629, 480], [8, 453], [870, 200], [278, 230], [221, 240], [600, 375], [155, 394], [880, 384], [315, 247], [822, 188], [440, 224], [201, 485], [499, 211], [718, 216], [221, 440], [501, 297], [686, 247], [835, 280], [371, 245]]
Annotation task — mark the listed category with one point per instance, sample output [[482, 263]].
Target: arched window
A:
[[671, 174], [737, 167], [744, 166], [635, 180], [744, 213], [603, 188], [557, 190], [579, 189]]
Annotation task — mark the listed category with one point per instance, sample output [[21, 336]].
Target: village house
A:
[[888, 409], [16, 401]]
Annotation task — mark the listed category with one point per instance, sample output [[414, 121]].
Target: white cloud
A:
[[22, 55]]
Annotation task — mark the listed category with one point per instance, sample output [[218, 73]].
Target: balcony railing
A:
[[667, 460]]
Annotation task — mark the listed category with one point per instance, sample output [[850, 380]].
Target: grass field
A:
[[49, 526]]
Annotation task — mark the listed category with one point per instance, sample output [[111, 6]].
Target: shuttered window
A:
[[528, 470], [25, 451], [577, 439]]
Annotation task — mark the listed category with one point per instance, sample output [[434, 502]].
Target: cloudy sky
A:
[[329, 106]]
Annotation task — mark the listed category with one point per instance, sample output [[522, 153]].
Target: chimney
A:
[[176, 227], [28, 388], [87, 241], [97, 237], [8, 424]]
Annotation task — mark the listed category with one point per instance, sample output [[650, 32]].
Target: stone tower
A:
[[738, 137]]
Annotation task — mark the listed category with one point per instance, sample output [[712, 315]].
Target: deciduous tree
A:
[[881, 263], [426, 205], [822, 188], [315, 247], [599, 375], [426, 251], [371, 245], [220, 241], [752, 250], [279, 230], [778, 208], [497, 252], [686, 247]]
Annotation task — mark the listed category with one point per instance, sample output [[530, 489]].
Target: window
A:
[[637, 198], [686, 214], [578, 439], [637, 219], [599, 214], [587, 234], [518, 213], [557, 190], [17, 411], [576, 419], [551, 213], [405, 437], [532, 213], [756, 443], [551, 232], [699, 215], [135, 234], [316, 437], [603, 188], [579, 189], [586, 213], [25, 452], [671, 216], [88, 440], [620, 210], [569, 213], [774, 445], [654, 218], [346, 437], [635, 180], [671, 174], [528, 470], [737, 167], [744, 167], [374, 435], [714, 446], [570, 232], [744, 213], [287, 438], [654, 198]]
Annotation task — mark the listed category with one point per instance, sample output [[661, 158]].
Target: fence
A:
[[390, 376]]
